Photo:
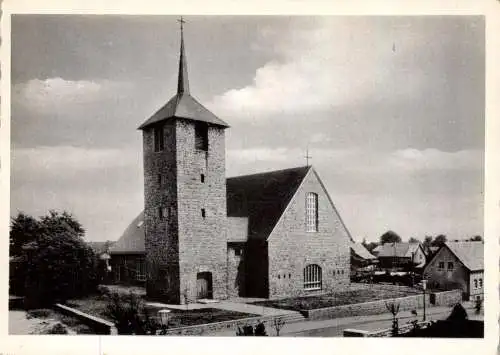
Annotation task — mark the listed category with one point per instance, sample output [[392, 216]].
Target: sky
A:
[[391, 110]]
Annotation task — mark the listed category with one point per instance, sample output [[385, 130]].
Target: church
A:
[[204, 236]]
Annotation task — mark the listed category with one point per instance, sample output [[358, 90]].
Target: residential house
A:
[[458, 265], [403, 256]]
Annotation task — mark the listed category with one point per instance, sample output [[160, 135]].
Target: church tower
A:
[[185, 198]]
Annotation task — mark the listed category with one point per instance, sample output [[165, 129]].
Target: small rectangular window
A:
[[203, 213], [237, 251], [162, 212], [202, 178], [480, 282], [475, 283], [159, 143], [450, 266], [159, 179], [441, 265], [201, 136]]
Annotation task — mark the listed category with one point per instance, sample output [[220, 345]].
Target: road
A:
[[335, 327]]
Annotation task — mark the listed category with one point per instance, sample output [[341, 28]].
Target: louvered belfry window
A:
[[312, 212], [159, 143], [312, 277], [201, 136]]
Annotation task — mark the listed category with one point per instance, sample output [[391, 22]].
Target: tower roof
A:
[[182, 104]]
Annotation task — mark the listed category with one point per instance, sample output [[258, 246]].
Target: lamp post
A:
[[424, 286], [164, 317]]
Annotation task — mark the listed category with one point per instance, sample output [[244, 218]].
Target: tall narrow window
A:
[[475, 283], [201, 136], [203, 213], [140, 273], [312, 277], [159, 143], [312, 212], [480, 282], [202, 178]]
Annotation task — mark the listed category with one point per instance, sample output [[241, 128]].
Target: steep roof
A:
[[258, 200], [132, 240], [263, 198], [183, 105], [400, 250], [360, 250], [471, 254]]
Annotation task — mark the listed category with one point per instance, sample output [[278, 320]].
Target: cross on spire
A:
[[182, 22], [182, 82], [307, 156]]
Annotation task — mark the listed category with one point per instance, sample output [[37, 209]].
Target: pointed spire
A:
[[183, 82]]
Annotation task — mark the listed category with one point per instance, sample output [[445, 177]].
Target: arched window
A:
[[312, 212], [312, 277]]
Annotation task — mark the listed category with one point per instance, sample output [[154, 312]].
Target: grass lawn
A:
[[338, 298], [96, 305]]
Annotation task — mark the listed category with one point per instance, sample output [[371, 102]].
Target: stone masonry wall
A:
[[202, 240], [291, 248], [161, 240], [377, 307]]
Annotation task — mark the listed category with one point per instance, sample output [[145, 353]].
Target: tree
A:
[[393, 308], [23, 229], [390, 237], [427, 241], [278, 323], [53, 261], [458, 314], [439, 240], [370, 246], [413, 240]]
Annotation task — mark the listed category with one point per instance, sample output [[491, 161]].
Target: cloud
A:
[[58, 95], [401, 161], [60, 161], [320, 71]]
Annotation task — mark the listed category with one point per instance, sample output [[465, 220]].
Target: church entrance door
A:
[[204, 285]]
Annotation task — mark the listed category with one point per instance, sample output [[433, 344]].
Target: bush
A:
[[52, 261], [248, 330], [58, 328], [39, 313], [129, 315]]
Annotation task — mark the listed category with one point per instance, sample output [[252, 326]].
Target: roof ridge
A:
[[271, 171]]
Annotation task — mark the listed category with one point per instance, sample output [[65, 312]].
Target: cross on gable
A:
[[307, 156]]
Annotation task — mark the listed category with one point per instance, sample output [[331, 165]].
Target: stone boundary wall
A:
[[99, 325], [447, 298], [201, 329], [377, 307]]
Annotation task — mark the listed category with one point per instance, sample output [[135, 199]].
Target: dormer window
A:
[[159, 143], [201, 136]]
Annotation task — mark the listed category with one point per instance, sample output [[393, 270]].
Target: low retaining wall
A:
[[377, 307], [220, 326], [99, 325]]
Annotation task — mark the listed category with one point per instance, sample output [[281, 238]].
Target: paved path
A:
[[251, 308]]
